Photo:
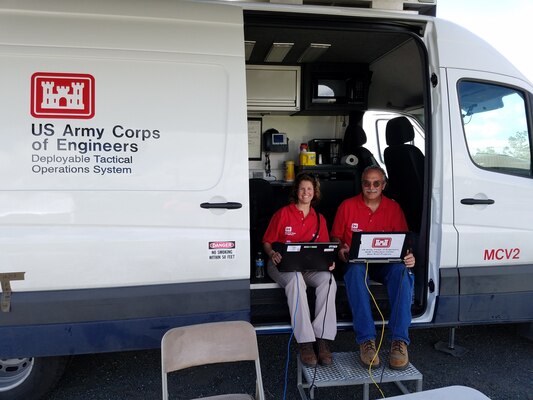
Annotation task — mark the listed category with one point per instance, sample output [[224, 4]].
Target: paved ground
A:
[[499, 363]]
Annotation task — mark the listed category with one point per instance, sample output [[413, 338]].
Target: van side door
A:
[[124, 179]]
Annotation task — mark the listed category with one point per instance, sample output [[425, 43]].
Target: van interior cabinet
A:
[[273, 88]]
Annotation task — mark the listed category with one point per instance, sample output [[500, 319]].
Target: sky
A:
[[505, 24]]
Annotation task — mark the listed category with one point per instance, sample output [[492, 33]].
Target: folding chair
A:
[[211, 343]]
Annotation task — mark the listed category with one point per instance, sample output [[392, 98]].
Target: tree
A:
[[519, 146]]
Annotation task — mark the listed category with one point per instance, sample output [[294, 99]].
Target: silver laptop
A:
[[379, 247]]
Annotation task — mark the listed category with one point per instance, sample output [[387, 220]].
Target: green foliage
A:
[[519, 146]]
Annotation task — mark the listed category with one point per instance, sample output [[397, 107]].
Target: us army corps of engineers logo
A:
[[62, 95]]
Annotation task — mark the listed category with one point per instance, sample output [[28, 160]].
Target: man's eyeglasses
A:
[[368, 184]]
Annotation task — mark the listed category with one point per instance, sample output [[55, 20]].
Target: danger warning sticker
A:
[[221, 250]]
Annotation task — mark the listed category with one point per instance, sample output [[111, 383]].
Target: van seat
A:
[[405, 167], [354, 139]]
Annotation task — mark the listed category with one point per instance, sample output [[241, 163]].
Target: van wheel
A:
[[29, 378]]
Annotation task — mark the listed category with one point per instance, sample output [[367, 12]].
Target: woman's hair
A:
[[302, 176]]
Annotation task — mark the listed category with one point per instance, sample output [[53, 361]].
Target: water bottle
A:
[[259, 266]]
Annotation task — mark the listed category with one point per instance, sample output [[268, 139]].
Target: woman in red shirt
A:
[[298, 222]]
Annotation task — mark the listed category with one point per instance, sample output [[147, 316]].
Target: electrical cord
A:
[[287, 366], [290, 338], [383, 326], [267, 164], [395, 319], [292, 333], [381, 336], [324, 324]]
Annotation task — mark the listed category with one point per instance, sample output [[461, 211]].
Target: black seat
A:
[[261, 211], [405, 167], [354, 139]]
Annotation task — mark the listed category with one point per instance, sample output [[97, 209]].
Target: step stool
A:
[[346, 370]]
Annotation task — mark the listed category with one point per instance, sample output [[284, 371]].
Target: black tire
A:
[[30, 378]]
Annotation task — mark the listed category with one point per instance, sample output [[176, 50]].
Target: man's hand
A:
[[332, 266], [344, 252], [409, 259]]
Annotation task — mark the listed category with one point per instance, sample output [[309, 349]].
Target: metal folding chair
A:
[[211, 343]]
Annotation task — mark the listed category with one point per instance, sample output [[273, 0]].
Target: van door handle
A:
[[230, 205], [470, 202]]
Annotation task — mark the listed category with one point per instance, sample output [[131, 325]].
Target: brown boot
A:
[[399, 359], [307, 354], [367, 353], [324, 355]]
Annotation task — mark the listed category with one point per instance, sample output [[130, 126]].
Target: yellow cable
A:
[[382, 333]]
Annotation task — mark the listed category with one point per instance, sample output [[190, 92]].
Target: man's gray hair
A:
[[375, 168]]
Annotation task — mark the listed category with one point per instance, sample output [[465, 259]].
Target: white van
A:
[[136, 178]]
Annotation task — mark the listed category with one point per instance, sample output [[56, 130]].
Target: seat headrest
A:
[[399, 131], [356, 135]]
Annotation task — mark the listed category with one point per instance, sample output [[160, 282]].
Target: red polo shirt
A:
[[353, 215], [289, 225]]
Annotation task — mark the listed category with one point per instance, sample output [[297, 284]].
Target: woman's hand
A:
[[332, 266], [275, 257]]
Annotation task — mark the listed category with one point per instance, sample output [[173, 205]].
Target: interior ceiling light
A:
[[248, 48], [278, 51], [313, 52]]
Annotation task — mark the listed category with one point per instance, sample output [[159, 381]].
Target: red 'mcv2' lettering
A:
[[502, 254]]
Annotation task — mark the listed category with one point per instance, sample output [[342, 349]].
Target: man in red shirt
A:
[[371, 211]]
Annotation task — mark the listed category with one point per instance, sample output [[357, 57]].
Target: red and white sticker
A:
[[381, 242], [221, 250], [62, 95]]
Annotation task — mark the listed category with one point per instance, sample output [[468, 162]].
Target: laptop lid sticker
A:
[[381, 246]]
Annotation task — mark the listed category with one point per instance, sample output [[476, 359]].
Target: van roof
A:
[[454, 46], [422, 7], [457, 45]]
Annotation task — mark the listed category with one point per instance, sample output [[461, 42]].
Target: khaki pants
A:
[[324, 325]]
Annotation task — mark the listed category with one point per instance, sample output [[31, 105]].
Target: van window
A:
[[375, 126], [495, 127]]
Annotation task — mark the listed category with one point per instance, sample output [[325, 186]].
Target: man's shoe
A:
[[399, 359], [307, 354], [324, 355], [368, 354]]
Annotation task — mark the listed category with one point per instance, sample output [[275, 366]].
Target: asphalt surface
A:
[[498, 362]]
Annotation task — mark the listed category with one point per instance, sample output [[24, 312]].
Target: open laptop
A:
[[379, 247], [309, 256]]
